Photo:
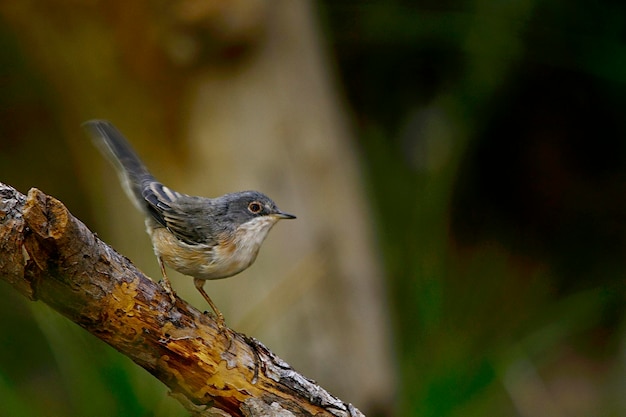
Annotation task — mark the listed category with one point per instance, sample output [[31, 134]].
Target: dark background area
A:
[[508, 117]]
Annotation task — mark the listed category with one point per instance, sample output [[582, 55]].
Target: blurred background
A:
[[457, 169]]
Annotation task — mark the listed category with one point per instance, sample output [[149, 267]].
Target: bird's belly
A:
[[200, 261]]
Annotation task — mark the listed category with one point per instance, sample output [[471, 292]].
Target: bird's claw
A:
[[165, 284]]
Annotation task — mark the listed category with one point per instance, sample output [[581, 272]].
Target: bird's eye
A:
[[255, 207]]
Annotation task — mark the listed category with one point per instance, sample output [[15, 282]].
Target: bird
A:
[[205, 238]]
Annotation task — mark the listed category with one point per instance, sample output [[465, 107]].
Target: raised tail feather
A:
[[134, 175]]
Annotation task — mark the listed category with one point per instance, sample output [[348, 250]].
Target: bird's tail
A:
[[134, 175]]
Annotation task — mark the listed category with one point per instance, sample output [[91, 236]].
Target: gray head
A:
[[244, 206], [240, 222]]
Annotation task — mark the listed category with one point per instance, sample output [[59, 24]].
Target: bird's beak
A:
[[281, 215]]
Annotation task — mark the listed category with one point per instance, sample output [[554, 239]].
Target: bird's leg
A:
[[199, 283], [165, 283]]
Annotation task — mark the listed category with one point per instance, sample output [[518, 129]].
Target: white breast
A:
[[229, 260]]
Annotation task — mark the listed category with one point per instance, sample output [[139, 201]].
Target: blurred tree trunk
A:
[[221, 97]]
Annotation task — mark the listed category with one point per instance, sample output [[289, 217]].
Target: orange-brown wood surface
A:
[[49, 255]]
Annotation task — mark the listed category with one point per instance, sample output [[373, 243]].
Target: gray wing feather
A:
[[188, 218]]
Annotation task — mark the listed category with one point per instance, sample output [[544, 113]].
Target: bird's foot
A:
[[165, 284]]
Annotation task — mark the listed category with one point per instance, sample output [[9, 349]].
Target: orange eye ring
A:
[[255, 207]]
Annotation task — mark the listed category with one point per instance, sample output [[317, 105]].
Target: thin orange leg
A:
[[167, 286], [199, 283]]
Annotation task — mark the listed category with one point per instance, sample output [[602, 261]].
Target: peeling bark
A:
[[49, 255]]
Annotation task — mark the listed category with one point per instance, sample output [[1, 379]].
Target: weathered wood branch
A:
[[49, 255]]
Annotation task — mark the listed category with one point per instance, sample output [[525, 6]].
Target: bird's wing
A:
[[185, 216]]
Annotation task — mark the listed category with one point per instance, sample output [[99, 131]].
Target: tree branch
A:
[[49, 255]]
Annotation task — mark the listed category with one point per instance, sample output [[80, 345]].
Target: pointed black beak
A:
[[282, 215]]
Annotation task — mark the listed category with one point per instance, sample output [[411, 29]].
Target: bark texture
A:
[[49, 255]]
